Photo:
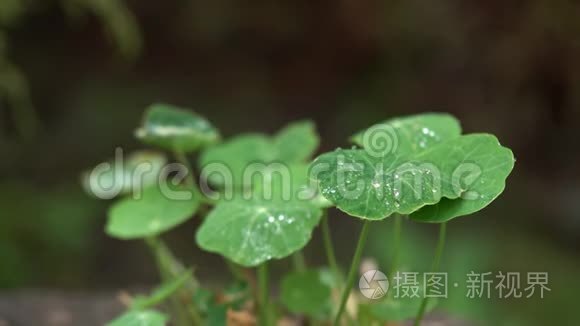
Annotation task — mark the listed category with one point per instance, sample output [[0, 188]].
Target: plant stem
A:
[[397, 230], [353, 270], [434, 268], [329, 248], [299, 261], [182, 158], [169, 269], [263, 296], [190, 179]]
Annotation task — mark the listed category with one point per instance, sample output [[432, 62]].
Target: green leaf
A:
[[162, 292], [248, 152], [237, 154], [305, 293], [486, 165], [250, 232], [140, 318], [173, 128], [411, 134], [161, 208], [124, 175], [400, 309], [296, 142], [291, 182], [473, 167]]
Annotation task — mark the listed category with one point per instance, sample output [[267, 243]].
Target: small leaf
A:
[[173, 128], [400, 309], [140, 318], [250, 232], [472, 167], [305, 293], [237, 154], [411, 134], [296, 142], [247, 152], [160, 209], [124, 175]]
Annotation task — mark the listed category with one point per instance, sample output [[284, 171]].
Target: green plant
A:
[[264, 196]]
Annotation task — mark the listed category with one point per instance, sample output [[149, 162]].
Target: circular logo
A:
[[373, 284], [380, 140]]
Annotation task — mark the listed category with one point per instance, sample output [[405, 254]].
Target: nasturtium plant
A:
[[419, 166], [176, 129], [261, 198]]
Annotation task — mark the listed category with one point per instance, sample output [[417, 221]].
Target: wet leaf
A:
[[159, 209], [140, 318], [174, 128], [305, 293], [411, 134], [472, 167], [249, 232]]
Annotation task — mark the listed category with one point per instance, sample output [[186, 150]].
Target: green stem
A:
[[434, 268], [353, 270], [190, 179], [182, 158], [235, 270], [263, 294], [329, 248], [169, 269], [299, 261], [397, 230]]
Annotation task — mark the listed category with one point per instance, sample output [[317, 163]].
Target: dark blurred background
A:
[[76, 75]]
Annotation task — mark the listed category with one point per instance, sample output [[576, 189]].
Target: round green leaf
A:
[[493, 164], [250, 232], [173, 128], [236, 155], [140, 318], [124, 175], [296, 142], [472, 167], [410, 134], [159, 209], [293, 144], [305, 293]]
